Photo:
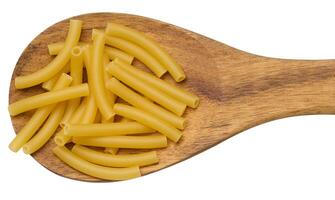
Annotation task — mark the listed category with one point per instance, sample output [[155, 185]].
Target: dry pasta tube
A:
[[130, 142], [123, 119], [90, 112], [91, 169], [49, 84], [95, 73], [111, 150], [55, 48], [149, 45], [76, 72], [105, 159], [56, 64], [110, 96], [149, 120], [108, 129], [87, 117], [36, 121], [175, 92], [141, 102], [138, 52], [48, 129], [153, 93], [116, 53], [87, 55], [91, 109], [47, 98], [113, 52], [60, 138], [115, 150]]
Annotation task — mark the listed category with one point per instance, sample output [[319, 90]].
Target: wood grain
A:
[[237, 90]]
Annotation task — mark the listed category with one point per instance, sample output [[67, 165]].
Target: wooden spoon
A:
[[238, 90]]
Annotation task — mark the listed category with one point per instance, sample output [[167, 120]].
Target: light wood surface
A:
[[237, 90]]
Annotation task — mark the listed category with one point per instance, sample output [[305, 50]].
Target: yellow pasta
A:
[[76, 73], [111, 150], [115, 53], [108, 129], [110, 96], [45, 133], [38, 118], [90, 113], [87, 55], [149, 120], [56, 64], [94, 170], [123, 119], [115, 150], [85, 116], [150, 45], [55, 48], [153, 93], [49, 84], [105, 159], [141, 102], [149, 111], [60, 138], [175, 92], [138, 52], [130, 142], [95, 73], [47, 98]]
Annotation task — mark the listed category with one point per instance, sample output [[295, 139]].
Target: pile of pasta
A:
[[80, 114]]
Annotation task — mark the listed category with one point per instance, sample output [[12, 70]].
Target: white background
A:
[[289, 158]]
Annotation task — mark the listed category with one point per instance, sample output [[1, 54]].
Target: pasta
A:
[[140, 39], [87, 55], [108, 129], [149, 120], [84, 115], [55, 48], [60, 138], [92, 126], [175, 92], [44, 134], [109, 95], [86, 167], [95, 77], [156, 95], [90, 111], [77, 75], [38, 118], [138, 52], [130, 142], [140, 102], [115, 150], [111, 150], [56, 64], [105, 159], [113, 53], [47, 98], [48, 85]]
